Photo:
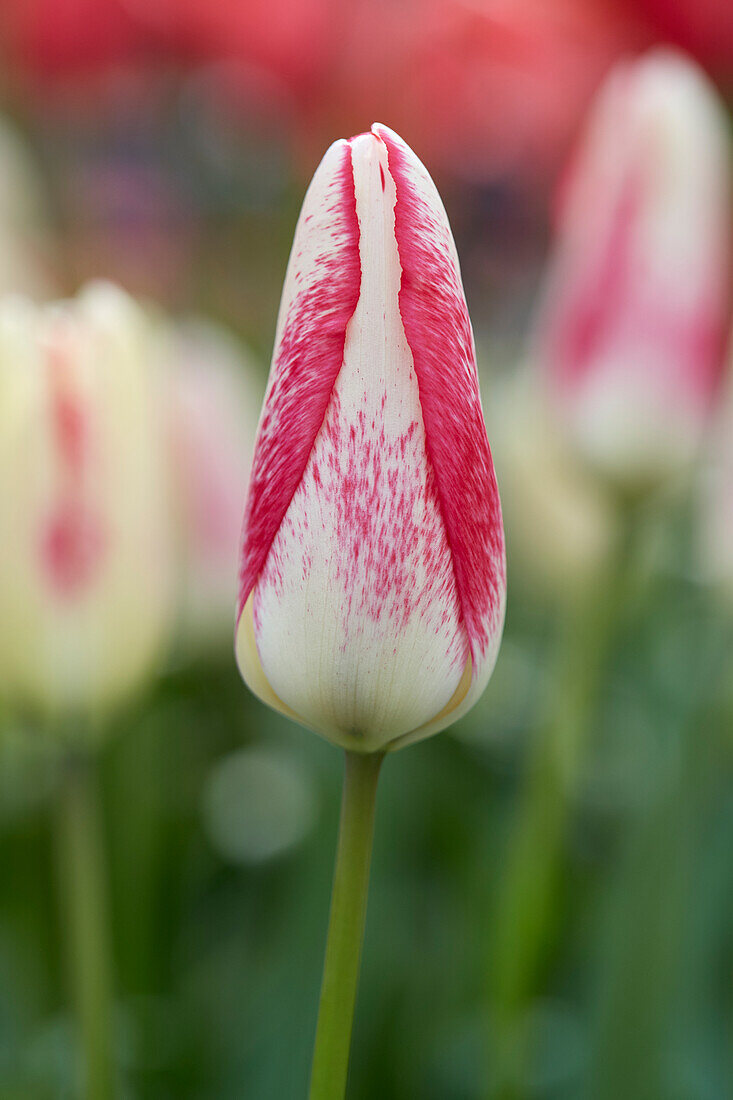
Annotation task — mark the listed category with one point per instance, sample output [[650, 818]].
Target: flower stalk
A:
[[346, 926], [81, 866]]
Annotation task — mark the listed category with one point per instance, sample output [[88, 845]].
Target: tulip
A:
[[632, 331], [212, 398], [715, 526], [548, 489], [372, 582], [85, 571], [22, 219], [85, 551], [372, 573]]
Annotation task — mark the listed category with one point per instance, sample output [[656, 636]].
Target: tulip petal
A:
[[438, 330], [320, 295]]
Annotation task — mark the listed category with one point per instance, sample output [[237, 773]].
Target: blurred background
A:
[[550, 909]]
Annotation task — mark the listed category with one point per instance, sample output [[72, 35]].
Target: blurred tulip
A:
[[214, 395], [288, 39], [85, 554], [704, 27], [489, 90], [55, 41], [546, 488], [715, 532], [72, 44], [372, 579], [636, 305], [23, 227]]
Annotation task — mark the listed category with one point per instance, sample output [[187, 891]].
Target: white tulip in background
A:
[[561, 523], [214, 391], [715, 518], [632, 329], [373, 577], [85, 552]]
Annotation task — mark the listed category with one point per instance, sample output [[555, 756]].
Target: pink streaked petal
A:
[[356, 614], [438, 330], [319, 298]]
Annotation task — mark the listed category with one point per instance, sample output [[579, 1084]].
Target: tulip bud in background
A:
[[372, 575], [23, 220], [85, 553], [546, 488], [213, 398], [715, 528], [632, 332]]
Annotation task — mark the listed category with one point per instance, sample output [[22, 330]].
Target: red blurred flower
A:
[[703, 27], [56, 40], [67, 41], [480, 88]]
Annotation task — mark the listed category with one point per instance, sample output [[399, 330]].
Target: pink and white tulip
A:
[[372, 574], [85, 553], [635, 316]]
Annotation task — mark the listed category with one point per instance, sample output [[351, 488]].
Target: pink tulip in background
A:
[[635, 314], [372, 575]]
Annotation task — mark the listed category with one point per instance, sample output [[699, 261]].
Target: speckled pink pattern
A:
[[438, 330], [307, 361], [374, 492]]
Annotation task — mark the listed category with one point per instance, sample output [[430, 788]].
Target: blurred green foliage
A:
[[218, 941]]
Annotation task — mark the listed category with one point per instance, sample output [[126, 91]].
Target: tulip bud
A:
[[213, 396], [715, 526], [84, 553], [635, 314], [23, 218], [547, 489], [372, 575]]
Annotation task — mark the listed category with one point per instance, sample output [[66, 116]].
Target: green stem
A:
[[81, 864], [527, 896], [346, 927]]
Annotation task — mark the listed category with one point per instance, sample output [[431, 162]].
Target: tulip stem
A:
[[528, 894], [81, 866], [346, 927]]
